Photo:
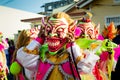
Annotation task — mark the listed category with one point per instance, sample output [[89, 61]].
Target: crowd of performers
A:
[[64, 49]]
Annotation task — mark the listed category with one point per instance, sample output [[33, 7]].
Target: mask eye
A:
[[90, 32], [60, 30]]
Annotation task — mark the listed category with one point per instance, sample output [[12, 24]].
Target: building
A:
[[103, 11], [10, 21], [49, 7]]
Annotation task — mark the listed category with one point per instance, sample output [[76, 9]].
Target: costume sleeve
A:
[[75, 48], [85, 60], [87, 64], [28, 56]]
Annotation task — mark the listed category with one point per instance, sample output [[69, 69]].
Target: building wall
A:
[[99, 9], [10, 21], [103, 8]]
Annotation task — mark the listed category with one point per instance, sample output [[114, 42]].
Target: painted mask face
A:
[[56, 31], [87, 30]]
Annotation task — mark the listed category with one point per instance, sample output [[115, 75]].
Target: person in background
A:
[[3, 61], [6, 46], [115, 74], [11, 49], [9, 60], [117, 38], [89, 32]]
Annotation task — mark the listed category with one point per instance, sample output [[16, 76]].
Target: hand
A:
[[34, 32]]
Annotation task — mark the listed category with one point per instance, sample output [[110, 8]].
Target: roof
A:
[[39, 18], [32, 19], [80, 4]]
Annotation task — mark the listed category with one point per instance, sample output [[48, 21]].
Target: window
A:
[[115, 19], [116, 1], [49, 7]]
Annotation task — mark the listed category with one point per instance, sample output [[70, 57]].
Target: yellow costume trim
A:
[[35, 51], [110, 65], [3, 68], [57, 59], [94, 45], [79, 58], [3, 75]]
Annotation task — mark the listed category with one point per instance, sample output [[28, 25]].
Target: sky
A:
[[33, 6]]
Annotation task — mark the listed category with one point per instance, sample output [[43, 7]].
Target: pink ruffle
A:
[[40, 40], [42, 69], [1, 47], [67, 69]]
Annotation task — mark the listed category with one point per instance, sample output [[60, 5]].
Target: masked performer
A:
[[104, 48], [3, 61], [53, 60], [110, 32]]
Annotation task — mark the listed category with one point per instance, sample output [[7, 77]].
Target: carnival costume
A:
[[63, 55], [3, 61], [110, 32]]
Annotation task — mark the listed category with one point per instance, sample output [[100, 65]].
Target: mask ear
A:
[[43, 21], [72, 26], [96, 30]]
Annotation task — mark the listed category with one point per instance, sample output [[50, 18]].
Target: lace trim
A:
[[62, 71], [48, 72]]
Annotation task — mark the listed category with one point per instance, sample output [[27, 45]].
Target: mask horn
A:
[[43, 21]]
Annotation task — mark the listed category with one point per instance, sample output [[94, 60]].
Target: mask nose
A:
[[52, 34]]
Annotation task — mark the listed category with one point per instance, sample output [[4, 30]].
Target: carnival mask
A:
[[88, 30], [56, 31]]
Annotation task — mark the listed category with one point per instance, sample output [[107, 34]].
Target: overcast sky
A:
[[27, 5]]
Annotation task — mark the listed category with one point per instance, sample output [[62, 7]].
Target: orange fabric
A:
[[112, 31]]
